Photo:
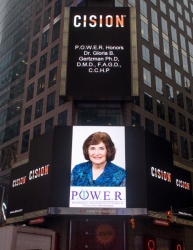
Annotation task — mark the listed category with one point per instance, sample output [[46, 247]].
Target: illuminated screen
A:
[[98, 173], [99, 53]]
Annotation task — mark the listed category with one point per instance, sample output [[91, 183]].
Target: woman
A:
[[99, 150]]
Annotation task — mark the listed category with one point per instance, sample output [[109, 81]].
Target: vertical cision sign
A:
[[99, 53]]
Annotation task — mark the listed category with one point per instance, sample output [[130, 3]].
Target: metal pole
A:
[[1, 204]]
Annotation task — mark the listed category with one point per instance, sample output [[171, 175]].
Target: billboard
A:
[[99, 63]]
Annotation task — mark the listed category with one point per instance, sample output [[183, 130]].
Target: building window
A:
[[143, 8], [37, 26], [34, 50], [180, 99], [171, 2], [39, 108], [148, 102], [159, 85], [174, 34], [50, 102], [166, 48], [187, 16], [146, 77], [184, 147], [62, 118], [56, 31], [179, 8], [171, 115], [132, 2], [190, 46], [168, 70], [30, 92], [169, 92], [144, 30], [187, 84], [47, 2], [149, 125], [49, 124], [57, 9], [189, 31], [154, 18], [189, 105], [162, 132], [38, 7], [157, 62], [185, 62], [32, 70], [45, 39], [54, 53], [25, 142], [145, 52], [41, 85], [172, 16], [178, 77], [43, 61], [180, 23], [37, 131], [176, 55], [160, 109], [135, 119], [155, 35], [183, 42], [162, 7], [182, 122], [164, 26], [190, 123], [154, 2], [28, 112], [47, 16], [174, 141], [52, 77]]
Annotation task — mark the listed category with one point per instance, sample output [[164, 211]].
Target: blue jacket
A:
[[112, 176]]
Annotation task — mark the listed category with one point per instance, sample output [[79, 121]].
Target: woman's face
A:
[[97, 153]]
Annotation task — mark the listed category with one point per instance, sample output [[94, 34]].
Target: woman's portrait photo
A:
[[98, 170]]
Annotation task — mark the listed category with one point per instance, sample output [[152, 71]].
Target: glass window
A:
[[184, 147], [45, 39], [154, 17], [191, 65], [190, 48], [47, 2], [147, 77], [38, 7], [180, 99], [160, 109], [163, 7], [25, 142], [148, 102], [52, 77], [185, 3], [182, 122], [189, 31], [32, 70], [157, 62], [179, 8], [172, 16], [185, 62], [176, 55], [180, 23], [149, 125], [132, 2], [159, 85], [174, 34], [191, 6], [135, 119], [43, 61], [28, 112], [39, 108], [154, 2], [41, 84], [143, 8], [144, 30], [62, 118], [161, 131], [34, 50], [50, 102], [168, 70], [37, 26], [174, 141], [30, 92], [171, 2], [178, 77], [166, 48], [54, 53], [47, 16], [37, 131], [57, 9], [145, 52], [172, 116], [190, 123], [169, 92], [49, 124], [155, 39], [187, 16], [189, 105], [187, 84], [56, 31], [183, 42], [164, 26]]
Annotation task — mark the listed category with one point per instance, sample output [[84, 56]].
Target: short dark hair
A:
[[95, 139]]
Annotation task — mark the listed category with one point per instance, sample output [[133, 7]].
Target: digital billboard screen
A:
[[99, 53]]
